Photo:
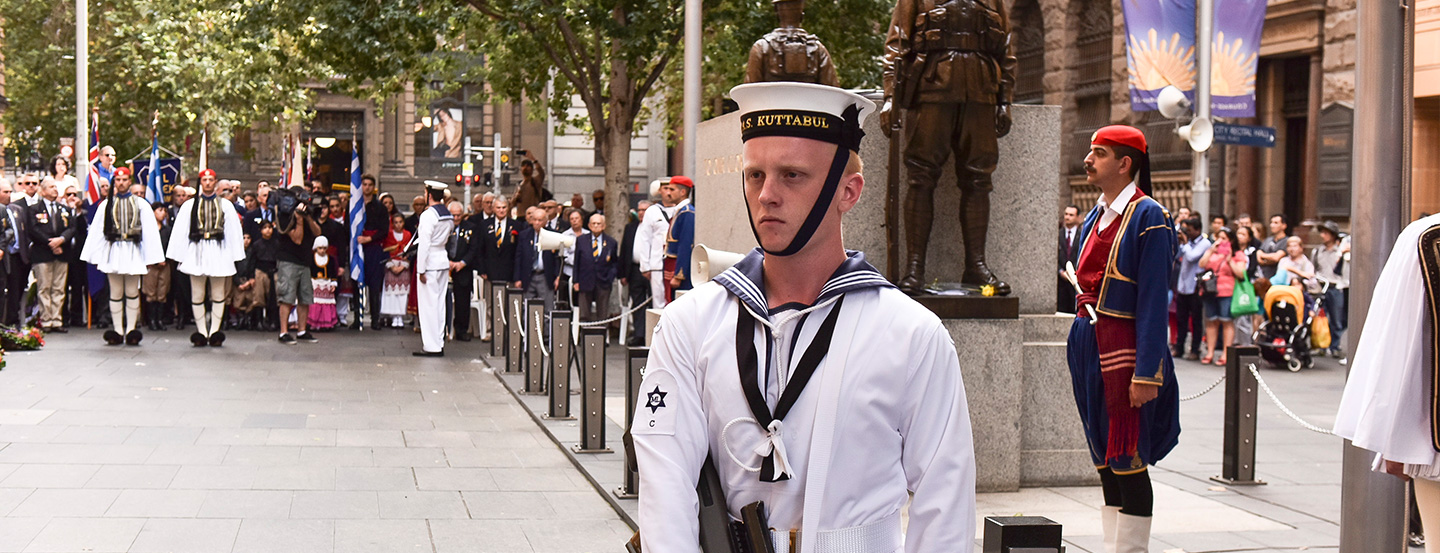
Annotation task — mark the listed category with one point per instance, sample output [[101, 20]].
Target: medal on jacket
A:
[[775, 462]]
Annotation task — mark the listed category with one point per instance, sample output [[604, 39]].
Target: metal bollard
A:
[[497, 319], [535, 353], [1022, 535], [560, 348], [514, 330], [1241, 394], [592, 399], [634, 373]]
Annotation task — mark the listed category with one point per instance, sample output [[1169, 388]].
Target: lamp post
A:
[[81, 166], [692, 83]]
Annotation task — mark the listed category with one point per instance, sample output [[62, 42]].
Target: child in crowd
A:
[[322, 313], [249, 288]]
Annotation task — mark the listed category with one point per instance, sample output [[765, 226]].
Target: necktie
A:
[[539, 261], [595, 243]]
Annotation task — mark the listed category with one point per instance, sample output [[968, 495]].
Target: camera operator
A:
[[298, 226]]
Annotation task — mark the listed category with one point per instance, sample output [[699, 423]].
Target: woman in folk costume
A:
[[123, 242], [322, 312], [1390, 400], [206, 242], [398, 276], [1119, 355]]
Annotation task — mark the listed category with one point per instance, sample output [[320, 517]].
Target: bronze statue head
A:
[[790, 12]]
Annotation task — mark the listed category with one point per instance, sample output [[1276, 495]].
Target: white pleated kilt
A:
[[116, 258], [203, 258]]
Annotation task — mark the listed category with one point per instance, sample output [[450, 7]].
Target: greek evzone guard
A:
[[123, 242], [1390, 400], [432, 270], [205, 242], [1120, 365], [815, 332]]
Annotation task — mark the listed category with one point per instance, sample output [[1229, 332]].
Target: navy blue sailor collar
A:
[[442, 211], [746, 280]]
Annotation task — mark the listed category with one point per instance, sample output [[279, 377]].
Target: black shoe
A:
[[287, 339], [217, 339], [133, 337], [428, 353], [113, 338], [306, 337], [463, 337], [198, 340]]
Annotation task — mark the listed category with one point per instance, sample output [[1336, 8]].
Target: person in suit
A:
[[537, 271], [52, 233], [1069, 252], [498, 246], [464, 251], [597, 260], [630, 275], [77, 277], [14, 252]]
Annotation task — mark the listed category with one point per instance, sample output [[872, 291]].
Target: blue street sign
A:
[[1245, 135]]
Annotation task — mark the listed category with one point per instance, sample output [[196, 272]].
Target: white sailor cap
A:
[[436, 185], [804, 110]]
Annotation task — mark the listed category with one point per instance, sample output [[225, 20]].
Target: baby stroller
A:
[[1284, 336]]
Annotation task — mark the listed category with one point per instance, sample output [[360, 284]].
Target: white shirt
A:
[[1115, 208], [905, 426], [1385, 407], [650, 236], [433, 232], [567, 253]]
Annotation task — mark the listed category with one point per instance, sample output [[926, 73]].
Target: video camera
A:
[[289, 202]]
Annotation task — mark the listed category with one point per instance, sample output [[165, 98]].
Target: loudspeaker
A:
[[1200, 133], [1172, 102], [551, 240], [706, 262]]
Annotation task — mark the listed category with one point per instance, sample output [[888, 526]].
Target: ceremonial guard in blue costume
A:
[[678, 243], [1119, 356]]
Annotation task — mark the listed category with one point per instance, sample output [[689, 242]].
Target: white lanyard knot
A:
[[775, 443]]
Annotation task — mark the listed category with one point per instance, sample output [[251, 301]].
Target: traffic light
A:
[[488, 180], [459, 180], [474, 180]]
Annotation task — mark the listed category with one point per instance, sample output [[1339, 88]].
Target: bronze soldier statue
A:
[[788, 53], [948, 64]]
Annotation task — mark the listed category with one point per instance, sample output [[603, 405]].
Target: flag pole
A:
[[82, 85]]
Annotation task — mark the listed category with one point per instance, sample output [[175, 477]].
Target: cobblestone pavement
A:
[[349, 445]]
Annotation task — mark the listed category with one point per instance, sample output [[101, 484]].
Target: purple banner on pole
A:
[[1235, 53], [1160, 48]]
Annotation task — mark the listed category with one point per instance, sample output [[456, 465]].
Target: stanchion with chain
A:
[[634, 373], [559, 365], [497, 318], [592, 399], [514, 330], [1241, 395], [535, 347]]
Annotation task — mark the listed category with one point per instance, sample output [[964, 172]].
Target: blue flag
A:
[[155, 193], [357, 220]]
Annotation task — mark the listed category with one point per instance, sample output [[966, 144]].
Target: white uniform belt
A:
[[881, 536]]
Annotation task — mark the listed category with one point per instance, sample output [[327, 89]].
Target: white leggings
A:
[[1427, 497], [124, 302], [208, 292]]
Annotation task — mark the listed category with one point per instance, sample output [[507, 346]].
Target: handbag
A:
[[1320, 331], [1244, 302], [1206, 283]]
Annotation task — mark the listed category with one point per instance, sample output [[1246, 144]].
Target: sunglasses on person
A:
[[72, 194]]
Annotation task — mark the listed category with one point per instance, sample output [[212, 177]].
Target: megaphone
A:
[[1172, 102], [1200, 133], [551, 240], [706, 262]]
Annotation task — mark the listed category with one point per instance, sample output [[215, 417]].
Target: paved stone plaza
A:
[[352, 445]]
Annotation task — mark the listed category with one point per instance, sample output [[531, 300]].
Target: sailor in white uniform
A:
[[809, 381], [123, 241], [205, 242], [432, 269], [1389, 404], [650, 237]]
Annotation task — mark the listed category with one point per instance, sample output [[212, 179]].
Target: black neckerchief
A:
[[749, 363]]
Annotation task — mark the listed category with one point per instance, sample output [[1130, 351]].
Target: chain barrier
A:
[[1206, 390], [1283, 408]]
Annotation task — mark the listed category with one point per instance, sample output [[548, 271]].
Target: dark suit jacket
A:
[[629, 269], [592, 271], [252, 219], [499, 252], [468, 249], [22, 236], [1068, 252], [525, 260], [1064, 291], [42, 227]]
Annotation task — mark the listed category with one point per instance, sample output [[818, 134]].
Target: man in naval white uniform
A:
[[123, 242], [432, 269], [205, 242], [650, 237], [1390, 399], [848, 396]]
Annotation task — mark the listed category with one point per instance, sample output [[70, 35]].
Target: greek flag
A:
[[154, 192], [357, 221]]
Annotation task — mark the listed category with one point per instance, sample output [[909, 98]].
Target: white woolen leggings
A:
[[1427, 497], [124, 302], [208, 292]]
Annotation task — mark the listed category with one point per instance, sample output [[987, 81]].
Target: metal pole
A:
[[692, 82], [1372, 505], [592, 399], [634, 373], [535, 354], [560, 352], [81, 167], [498, 334], [1241, 394], [1204, 30], [467, 174], [495, 167], [514, 303]]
